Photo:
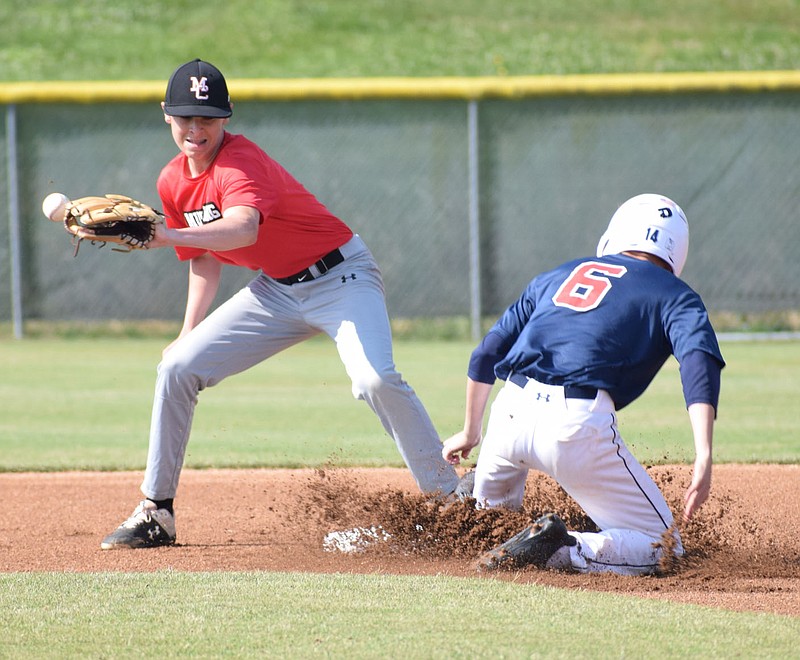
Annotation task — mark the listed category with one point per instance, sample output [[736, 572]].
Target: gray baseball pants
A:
[[348, 304]]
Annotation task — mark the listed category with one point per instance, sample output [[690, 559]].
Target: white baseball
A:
[[54, 206]]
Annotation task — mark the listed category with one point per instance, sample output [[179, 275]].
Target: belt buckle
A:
[[321, 266], [335, 256]]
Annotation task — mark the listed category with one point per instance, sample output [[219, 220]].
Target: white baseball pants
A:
[[577, 443], [266, 317]]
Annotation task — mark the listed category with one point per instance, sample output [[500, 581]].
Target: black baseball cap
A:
[[197, 89]]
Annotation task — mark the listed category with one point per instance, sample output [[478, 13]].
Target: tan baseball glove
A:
[[112, 219]]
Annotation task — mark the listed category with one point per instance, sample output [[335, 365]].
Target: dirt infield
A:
[[743, 550]]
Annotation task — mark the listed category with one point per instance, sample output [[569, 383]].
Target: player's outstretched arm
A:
[[461, 444], [701, 417], [238, 227]]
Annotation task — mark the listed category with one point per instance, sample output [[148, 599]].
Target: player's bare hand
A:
[[459, 447], [702, 417], [698, 491], [171, 345], [159, 237]]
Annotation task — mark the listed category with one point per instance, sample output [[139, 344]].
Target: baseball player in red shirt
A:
[[227, 202]]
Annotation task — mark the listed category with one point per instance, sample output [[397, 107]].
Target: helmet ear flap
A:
[[602, 245]]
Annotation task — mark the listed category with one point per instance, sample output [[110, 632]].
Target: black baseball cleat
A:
[[148, 527], [533, 545]]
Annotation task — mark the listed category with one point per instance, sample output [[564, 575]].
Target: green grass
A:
[[64, 410], [364, 616], [756, 417], [120, 39], [85, 404]]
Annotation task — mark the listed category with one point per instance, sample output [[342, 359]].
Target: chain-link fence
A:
[[550, 172]]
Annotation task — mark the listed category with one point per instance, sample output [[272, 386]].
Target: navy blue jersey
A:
[[608, 322]]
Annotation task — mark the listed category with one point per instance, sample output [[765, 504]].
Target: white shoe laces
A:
[[140, 514]]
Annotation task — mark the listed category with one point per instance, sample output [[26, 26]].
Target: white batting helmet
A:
[[648, 223]]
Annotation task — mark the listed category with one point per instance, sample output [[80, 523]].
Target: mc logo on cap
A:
[[200, 88], [197, 89]]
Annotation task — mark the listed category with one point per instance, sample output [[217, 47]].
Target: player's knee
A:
[[175, 369], [172, 364], [371, 383]]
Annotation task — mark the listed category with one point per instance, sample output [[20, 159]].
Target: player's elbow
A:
[[250, 236], [248, 233], [243, 225]]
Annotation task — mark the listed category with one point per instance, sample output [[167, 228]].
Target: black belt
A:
[[570, 391], [323, 266]]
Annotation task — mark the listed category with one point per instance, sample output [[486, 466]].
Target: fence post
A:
[[15, 250], [474, 219]]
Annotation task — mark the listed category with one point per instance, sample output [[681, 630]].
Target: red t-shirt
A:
[[295, 228]]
